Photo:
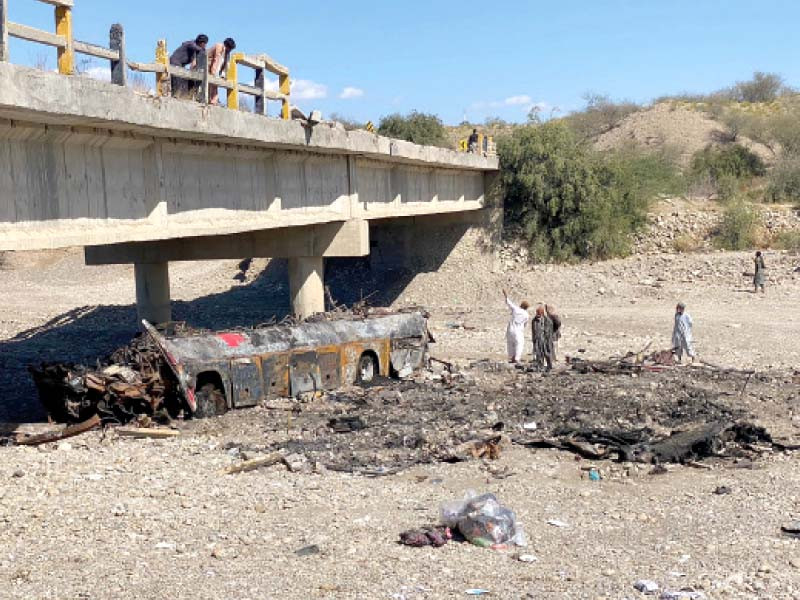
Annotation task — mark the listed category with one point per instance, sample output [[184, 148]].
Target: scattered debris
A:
[[684, 594], [436, 536], [487, 448], [646, 586], [557, 523], [142, 432], [792, 529], [483, 521], [67, 432], [722, 490], [716, 439], [476, 592], [255, 463], [346, 424], [527, 558], [308, 550]]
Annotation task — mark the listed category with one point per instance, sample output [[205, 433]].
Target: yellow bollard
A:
[[66, 55], [233, 79], [162, 79], [285, 88]]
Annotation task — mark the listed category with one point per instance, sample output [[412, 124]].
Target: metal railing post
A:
[[285, 88], [233, 79], [66, 55], [119, 68], [162, 79], [3, 30], [202, 66]]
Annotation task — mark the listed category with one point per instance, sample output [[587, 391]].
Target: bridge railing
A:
[[67, 47]]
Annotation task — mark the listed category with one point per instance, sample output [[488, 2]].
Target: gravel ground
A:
[[104, 517]]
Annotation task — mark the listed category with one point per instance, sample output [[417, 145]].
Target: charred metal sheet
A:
[[246, 379], [275, 371], [329, 369], [407, 354], [304, 373]]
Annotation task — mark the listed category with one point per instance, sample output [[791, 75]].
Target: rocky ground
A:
[[103, 517]]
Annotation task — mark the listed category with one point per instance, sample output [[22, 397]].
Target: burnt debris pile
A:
[[134, 380]]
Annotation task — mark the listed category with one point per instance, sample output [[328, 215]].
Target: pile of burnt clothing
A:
[[134, 380], [434, 535]]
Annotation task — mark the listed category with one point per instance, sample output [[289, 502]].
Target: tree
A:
[[416, 127], [572, 202], [763, 87]]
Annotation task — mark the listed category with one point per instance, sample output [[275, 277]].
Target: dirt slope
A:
[[669, 125]]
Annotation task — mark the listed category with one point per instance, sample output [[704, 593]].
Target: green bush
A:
[[732, 161], [572, 202], [416, 127], [653, 172], [788, 240], [784, 181], [739, 227]]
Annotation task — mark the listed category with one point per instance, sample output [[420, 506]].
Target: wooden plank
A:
[[184, 73], [255, 463], [39, 36], [255, 91], [146, 67], [55, 436], [220, 82], [94, 50], [263, 61], [158, 433]]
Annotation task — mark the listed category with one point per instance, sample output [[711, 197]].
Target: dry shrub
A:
[[788, 240], [686, 242]]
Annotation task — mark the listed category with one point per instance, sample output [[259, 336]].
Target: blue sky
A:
[[454, 57]]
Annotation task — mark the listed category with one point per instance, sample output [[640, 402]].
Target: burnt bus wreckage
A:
[[207, 373]]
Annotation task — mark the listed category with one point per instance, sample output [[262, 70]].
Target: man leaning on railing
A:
[[185, 56], [218, 58]]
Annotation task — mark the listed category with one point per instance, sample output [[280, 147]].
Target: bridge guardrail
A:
[[67, 47]]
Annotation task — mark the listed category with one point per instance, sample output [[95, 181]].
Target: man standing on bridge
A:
[[185, 56], [218, 58], [472, 142]]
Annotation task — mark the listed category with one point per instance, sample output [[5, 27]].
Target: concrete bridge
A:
[[149, 180]]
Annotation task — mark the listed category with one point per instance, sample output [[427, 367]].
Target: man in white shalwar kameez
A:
[[682, 340], [515, 332]]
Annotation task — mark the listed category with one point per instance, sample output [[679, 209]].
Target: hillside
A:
[[679, 127]]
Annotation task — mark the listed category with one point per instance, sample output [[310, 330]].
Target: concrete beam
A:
[[306, 285], [350, 238], [52, 98], [152, 292]]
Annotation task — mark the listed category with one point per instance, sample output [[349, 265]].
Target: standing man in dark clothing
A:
[[552, 314], [472, 142], [185, 56], [542, 340], [760, 277]]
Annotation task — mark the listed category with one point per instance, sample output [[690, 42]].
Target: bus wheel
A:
[[367, 369], [210, 402]]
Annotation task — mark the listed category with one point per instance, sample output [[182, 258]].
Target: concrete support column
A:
[[306, 287], [152, 292]]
